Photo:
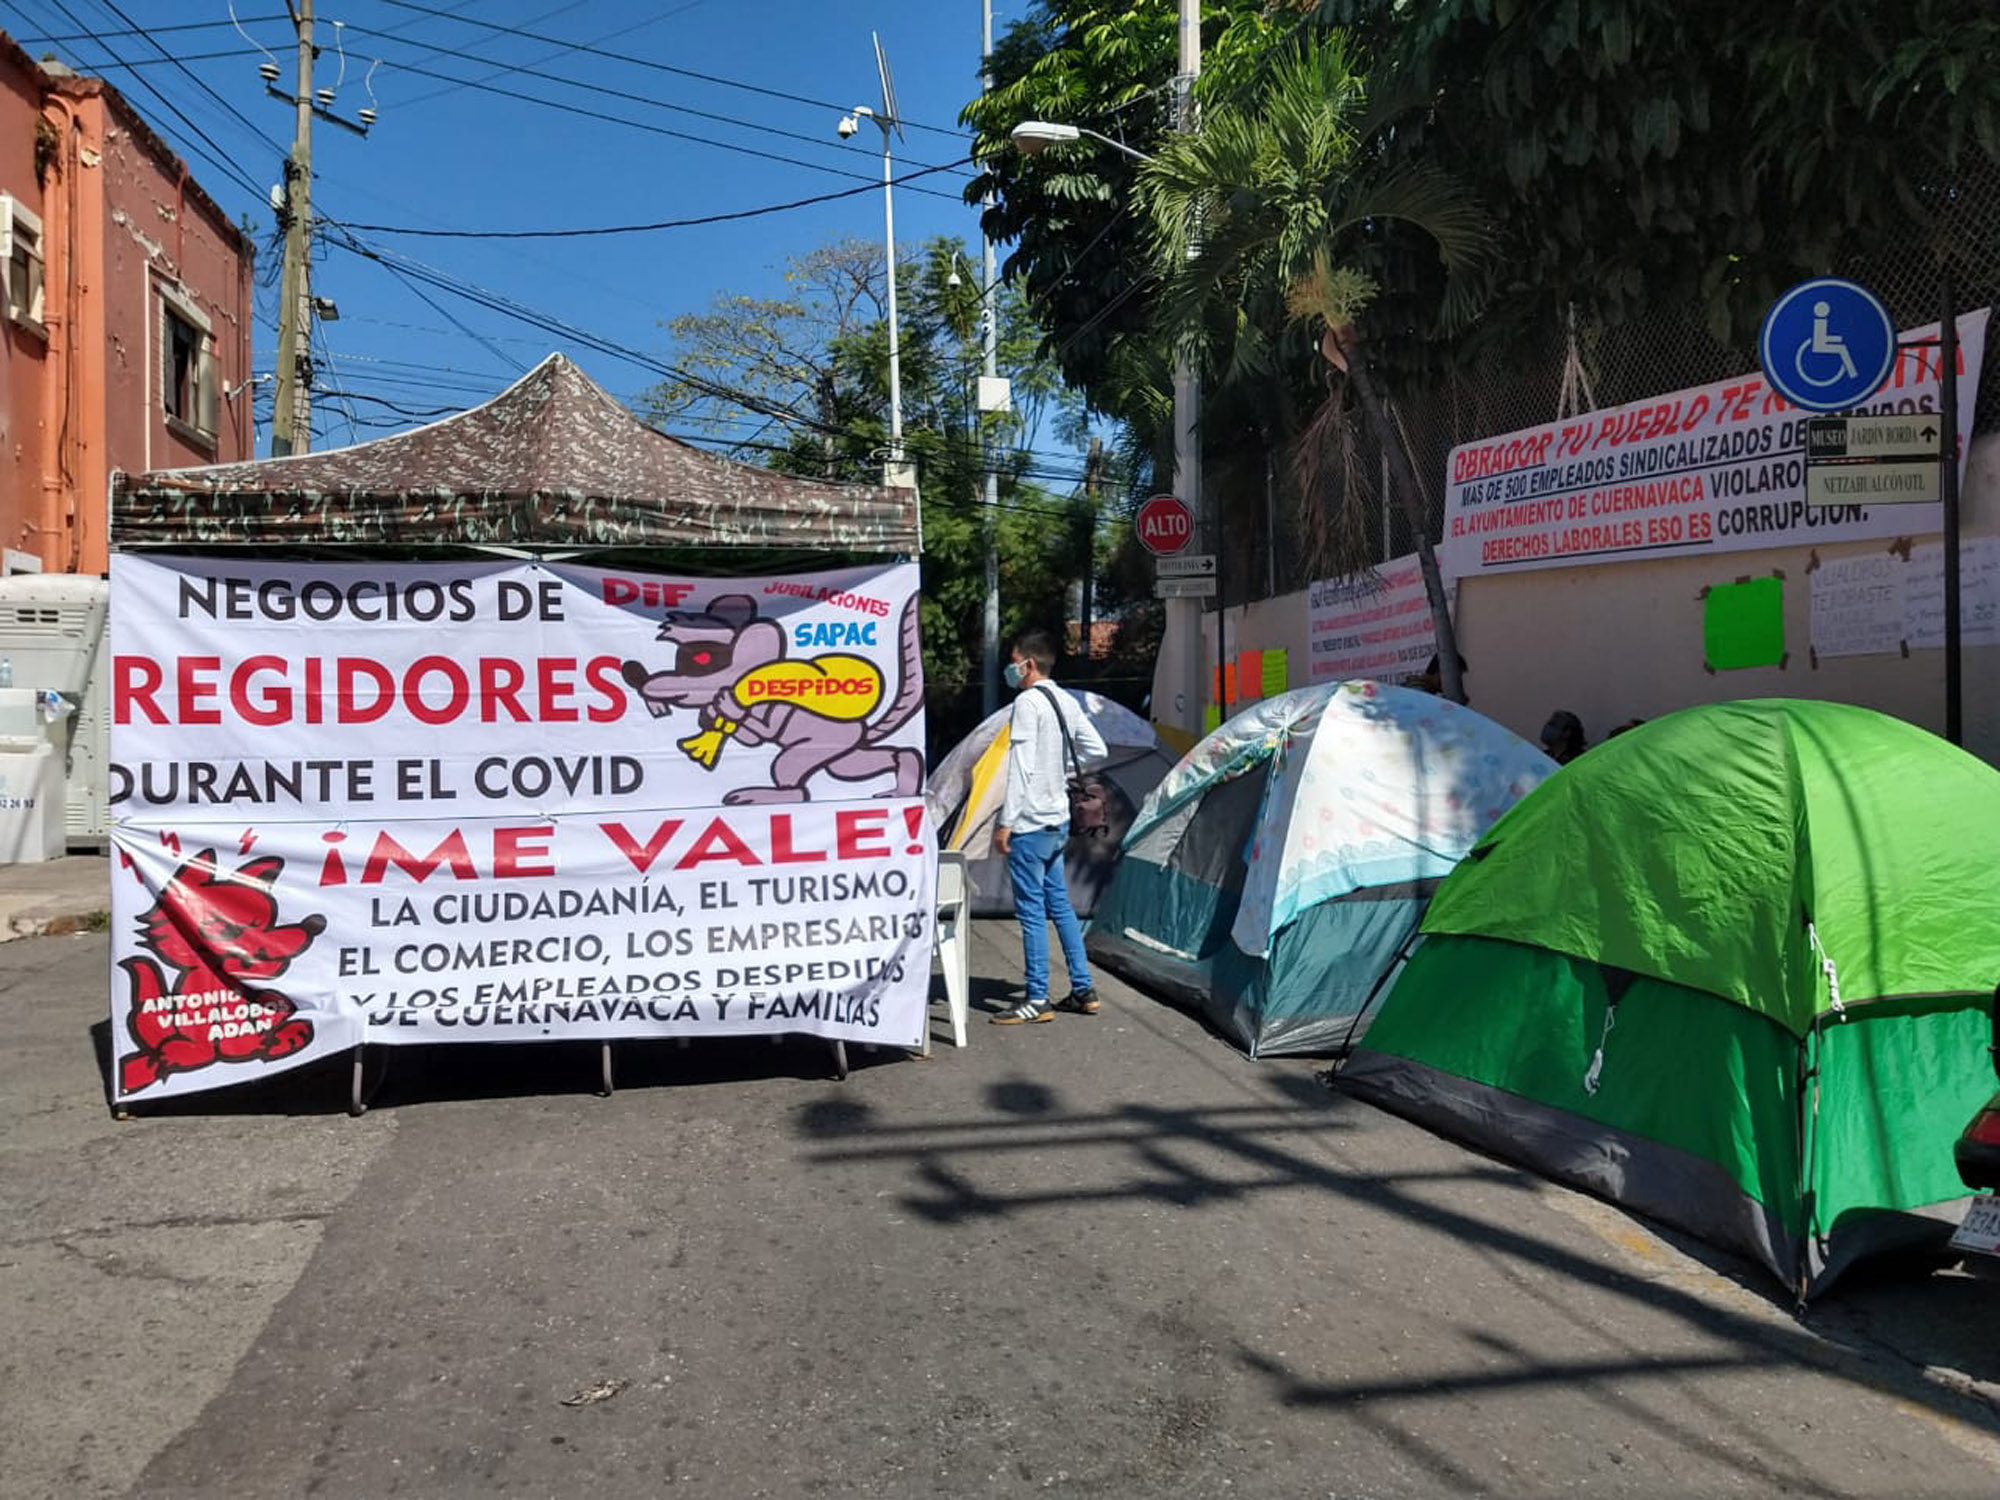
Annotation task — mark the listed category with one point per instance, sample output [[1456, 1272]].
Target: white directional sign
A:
[[1187, 565], [1915, 483], [1878, 460], [1184, 588], [1880, 438]]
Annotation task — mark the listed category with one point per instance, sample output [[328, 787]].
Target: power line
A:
[[138, 64], [660, 130], [722, 218], [449, 317], [748, 400], [614, 93], [658, 67], [639, 25], [221, 159], [138, 30], [199, 82]]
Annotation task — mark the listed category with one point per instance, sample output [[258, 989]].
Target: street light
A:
[[1031, 138], [897, 473]]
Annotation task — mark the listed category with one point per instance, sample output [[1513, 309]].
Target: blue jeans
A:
[[1041, 895]]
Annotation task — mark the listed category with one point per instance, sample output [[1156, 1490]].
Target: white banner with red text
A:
[[267, 690], [246, 951], [1375, 625], [412, 802], [1720, 468]]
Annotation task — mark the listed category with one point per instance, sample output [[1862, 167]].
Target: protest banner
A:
[[1719, 468], [1376, 625], [412, 802]]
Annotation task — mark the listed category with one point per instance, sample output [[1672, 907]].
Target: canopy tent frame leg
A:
[[357, 1093], [605, 1085]]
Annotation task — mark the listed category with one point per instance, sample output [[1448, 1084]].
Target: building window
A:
[[187, 370], [21, 262]]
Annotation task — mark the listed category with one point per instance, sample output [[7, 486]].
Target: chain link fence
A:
[[1669, 350]]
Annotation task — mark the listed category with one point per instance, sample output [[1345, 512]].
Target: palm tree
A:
[[1271, 229]]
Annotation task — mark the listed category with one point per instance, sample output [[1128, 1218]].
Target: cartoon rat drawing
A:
[[214, 929], [730, 666]]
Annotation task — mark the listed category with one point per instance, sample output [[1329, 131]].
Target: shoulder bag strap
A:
[[1069, 745]]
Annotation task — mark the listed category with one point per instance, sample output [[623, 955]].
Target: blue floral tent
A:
[[1273, 876]]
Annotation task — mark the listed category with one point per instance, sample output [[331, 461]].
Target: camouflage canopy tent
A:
[[551, 461]]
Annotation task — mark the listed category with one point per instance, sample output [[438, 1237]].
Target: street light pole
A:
[[894, 471], [989, 315], [1187, 416], [895, 351], [1183, 615]]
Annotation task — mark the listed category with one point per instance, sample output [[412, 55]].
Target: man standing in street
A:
[[1049, 739]]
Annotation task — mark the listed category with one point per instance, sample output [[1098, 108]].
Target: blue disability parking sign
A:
[[1827, 345]]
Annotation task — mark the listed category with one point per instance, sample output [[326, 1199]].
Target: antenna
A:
[[889, 111]]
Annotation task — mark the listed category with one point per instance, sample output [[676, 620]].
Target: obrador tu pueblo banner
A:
[[508, 802], [1720, 468]]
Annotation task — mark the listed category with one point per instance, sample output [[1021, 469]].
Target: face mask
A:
[[1015, 674]]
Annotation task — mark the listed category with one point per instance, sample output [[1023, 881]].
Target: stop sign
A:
[[1165, 525]]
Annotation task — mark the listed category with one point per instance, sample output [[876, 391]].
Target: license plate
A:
[[1980, 1231]]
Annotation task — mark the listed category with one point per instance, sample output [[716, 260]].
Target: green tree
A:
[[799, 382], [1078, 243], [1271, 230], [1691, 153]]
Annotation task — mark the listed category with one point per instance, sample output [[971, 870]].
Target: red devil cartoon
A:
[[213, 929]]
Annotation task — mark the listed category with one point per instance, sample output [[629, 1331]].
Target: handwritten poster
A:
[[1978, 597], [1879, 603], [1857, 606]]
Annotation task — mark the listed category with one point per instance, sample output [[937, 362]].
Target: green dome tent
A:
[[1275, 873], [1731, 969]]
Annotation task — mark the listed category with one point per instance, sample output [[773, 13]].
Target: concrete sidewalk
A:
[[56, 896]]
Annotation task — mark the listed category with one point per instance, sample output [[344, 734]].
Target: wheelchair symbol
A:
[[1822, 346]]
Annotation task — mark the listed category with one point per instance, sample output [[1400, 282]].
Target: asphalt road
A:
[[1108, 1256]]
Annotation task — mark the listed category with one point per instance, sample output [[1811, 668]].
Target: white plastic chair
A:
[[954, 940]]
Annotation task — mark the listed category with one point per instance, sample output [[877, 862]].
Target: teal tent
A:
[[1272, 877], [1732, 969]]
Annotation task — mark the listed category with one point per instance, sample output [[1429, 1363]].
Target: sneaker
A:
[[1081, 1002], [1027, 1011]]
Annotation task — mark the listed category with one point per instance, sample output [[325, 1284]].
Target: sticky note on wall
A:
[[1743, 625], [1277, 674], [1249, 674]]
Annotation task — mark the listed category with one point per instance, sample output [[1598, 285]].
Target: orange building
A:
[[125, 313]]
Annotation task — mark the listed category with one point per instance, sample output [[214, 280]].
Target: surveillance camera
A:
[[848, 125]]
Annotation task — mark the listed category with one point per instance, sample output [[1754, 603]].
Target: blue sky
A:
[[454, 146]]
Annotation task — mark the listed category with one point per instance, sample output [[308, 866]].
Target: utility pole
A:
[[989, 317], [291, 420], [1187, 415], [1093, 475]]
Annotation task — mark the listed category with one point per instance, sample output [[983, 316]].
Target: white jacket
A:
[[1038, 768]]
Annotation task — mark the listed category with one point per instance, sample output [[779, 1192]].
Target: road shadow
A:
[[439, 1073], [459, 1071], [1218, 1159]]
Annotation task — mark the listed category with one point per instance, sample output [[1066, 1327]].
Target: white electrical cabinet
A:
[[52, 639]]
